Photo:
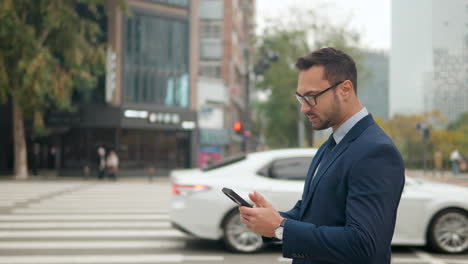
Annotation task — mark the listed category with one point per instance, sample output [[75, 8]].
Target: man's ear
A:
[[346, 89]]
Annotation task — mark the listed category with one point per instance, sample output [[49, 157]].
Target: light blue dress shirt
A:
[[342, 130]]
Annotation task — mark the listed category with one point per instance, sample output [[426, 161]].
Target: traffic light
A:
[[265, 62], [238, 127]]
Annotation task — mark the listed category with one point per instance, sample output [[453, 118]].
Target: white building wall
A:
[[410, 55], [212, 100], [429, 57]]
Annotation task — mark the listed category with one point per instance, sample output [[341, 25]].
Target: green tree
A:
[[402, 129], [461, 121], [47, 49], [279, 116]]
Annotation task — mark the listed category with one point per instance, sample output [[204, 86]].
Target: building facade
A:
[[373, 89], [428, 66], [226, 29], [450, 58], [410, 55], [145, 106]]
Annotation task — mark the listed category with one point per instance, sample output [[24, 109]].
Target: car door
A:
[[410, 215], [285, 177]]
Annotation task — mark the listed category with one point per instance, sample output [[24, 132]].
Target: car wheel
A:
[[239, 238], [448, 231]]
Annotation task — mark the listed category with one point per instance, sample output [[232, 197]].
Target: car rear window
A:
[[225, 162]]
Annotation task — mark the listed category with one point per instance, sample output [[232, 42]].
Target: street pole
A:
[[425, 158], [245, 139], [300, 129]]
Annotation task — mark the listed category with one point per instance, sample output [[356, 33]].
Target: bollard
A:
[[151, 170], [86, 171]]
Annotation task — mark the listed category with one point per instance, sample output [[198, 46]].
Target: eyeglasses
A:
[[311, 99]]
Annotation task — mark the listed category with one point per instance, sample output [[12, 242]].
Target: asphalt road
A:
[[103, 222]]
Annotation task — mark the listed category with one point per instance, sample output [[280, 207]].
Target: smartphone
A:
[[235, 197]]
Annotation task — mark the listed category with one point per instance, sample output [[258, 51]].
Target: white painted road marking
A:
[[88, 210], [84, 217], [110, 244], [432, 260], [97, 233], [86, 259], [105, 224]]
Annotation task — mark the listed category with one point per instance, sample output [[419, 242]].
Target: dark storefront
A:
[[143, 139], [140, 142]]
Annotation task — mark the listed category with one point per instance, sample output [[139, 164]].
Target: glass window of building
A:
[[210, 69], [211, 49], [210, 29], [211, 9], [179, 3], [156, 61]]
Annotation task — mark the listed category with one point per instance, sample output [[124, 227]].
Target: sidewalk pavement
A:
[[440, 176]]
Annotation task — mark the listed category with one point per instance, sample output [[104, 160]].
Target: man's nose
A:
[[305, 107]]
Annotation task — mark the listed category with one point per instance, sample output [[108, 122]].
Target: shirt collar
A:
[[341, 131]]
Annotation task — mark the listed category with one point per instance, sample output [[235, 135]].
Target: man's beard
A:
[[330, 117]]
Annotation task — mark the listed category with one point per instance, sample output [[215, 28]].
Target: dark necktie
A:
[[326, 154]]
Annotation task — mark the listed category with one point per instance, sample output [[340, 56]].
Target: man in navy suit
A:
[[351, 194]]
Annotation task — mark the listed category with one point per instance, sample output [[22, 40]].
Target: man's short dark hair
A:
[[338, 66]]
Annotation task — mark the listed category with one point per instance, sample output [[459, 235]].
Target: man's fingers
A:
[[245, 211], [243, 220], [259, 200]]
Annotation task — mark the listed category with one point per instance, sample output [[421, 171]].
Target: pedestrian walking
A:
[[101, 163], [112, 165], [455, 158]]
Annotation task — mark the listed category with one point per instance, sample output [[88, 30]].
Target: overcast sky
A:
[[371, 18]]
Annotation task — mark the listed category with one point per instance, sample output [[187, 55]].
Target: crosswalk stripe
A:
[[92, 203], [86, 259], [418, 260], [152, 198], [29, 225], [83, 217], [93, 233], [92, 244], [87, 210], [96, 205]]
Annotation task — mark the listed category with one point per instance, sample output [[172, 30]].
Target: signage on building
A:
[[111, 67], [207, 156], [164, 118], [215, 137]]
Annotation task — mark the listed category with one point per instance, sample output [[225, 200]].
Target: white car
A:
[[430, 213]]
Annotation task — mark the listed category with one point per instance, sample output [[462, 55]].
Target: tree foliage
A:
[[48, 48], [279, 115], [409, 140]]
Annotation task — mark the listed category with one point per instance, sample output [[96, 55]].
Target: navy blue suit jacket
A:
[[347, 213]]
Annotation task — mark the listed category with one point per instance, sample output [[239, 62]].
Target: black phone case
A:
[[235, 197]]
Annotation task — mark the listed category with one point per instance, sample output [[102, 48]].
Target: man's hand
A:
[[263, 219]]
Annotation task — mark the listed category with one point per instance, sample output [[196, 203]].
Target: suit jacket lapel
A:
[[313, 166], [355, 132]]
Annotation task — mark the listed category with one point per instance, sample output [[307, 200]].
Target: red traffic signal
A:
[[237, 126]]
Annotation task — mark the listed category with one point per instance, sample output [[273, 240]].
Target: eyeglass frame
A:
[[305, 98]]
